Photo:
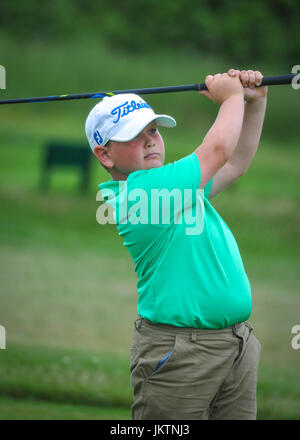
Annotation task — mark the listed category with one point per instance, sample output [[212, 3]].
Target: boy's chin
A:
[[154, 164], [149, 166]]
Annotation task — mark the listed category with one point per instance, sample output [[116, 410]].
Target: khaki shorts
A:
[[185, 373]]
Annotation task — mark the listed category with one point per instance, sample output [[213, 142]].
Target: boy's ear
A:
[[103, 155]]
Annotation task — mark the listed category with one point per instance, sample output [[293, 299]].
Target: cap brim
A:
[[134, 127]]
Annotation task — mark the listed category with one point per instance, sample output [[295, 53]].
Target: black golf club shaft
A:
[[267, 81]]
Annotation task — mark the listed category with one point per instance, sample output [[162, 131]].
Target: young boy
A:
[[193, 355]]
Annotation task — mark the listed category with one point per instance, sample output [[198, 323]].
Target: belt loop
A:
[[235, 329], [194, 335], [138, 323], [250, 327]]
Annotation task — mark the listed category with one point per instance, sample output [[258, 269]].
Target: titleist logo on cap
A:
[[124, 109], [117, 118]]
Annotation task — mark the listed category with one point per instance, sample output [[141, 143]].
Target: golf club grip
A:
[[267, 81], [278, 80]]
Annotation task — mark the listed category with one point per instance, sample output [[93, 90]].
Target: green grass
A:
[[68, 286], [66, 375], [31, 409]]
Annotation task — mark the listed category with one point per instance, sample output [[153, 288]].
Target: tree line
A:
[[240, 31]]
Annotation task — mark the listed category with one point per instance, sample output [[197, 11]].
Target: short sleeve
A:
[[207, 188]]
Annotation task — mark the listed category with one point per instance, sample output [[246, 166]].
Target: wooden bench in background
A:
[[62, 154]]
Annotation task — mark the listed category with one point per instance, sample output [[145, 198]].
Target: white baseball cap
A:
[[121, 118]]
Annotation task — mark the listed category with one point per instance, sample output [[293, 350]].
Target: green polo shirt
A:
[[190, 271]]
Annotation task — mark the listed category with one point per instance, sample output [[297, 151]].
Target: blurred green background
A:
[[68, 286]]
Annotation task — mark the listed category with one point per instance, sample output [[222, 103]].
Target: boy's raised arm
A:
[[222, 138]]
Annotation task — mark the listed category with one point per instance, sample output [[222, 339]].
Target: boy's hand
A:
[[249, 80], [222, 86]]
